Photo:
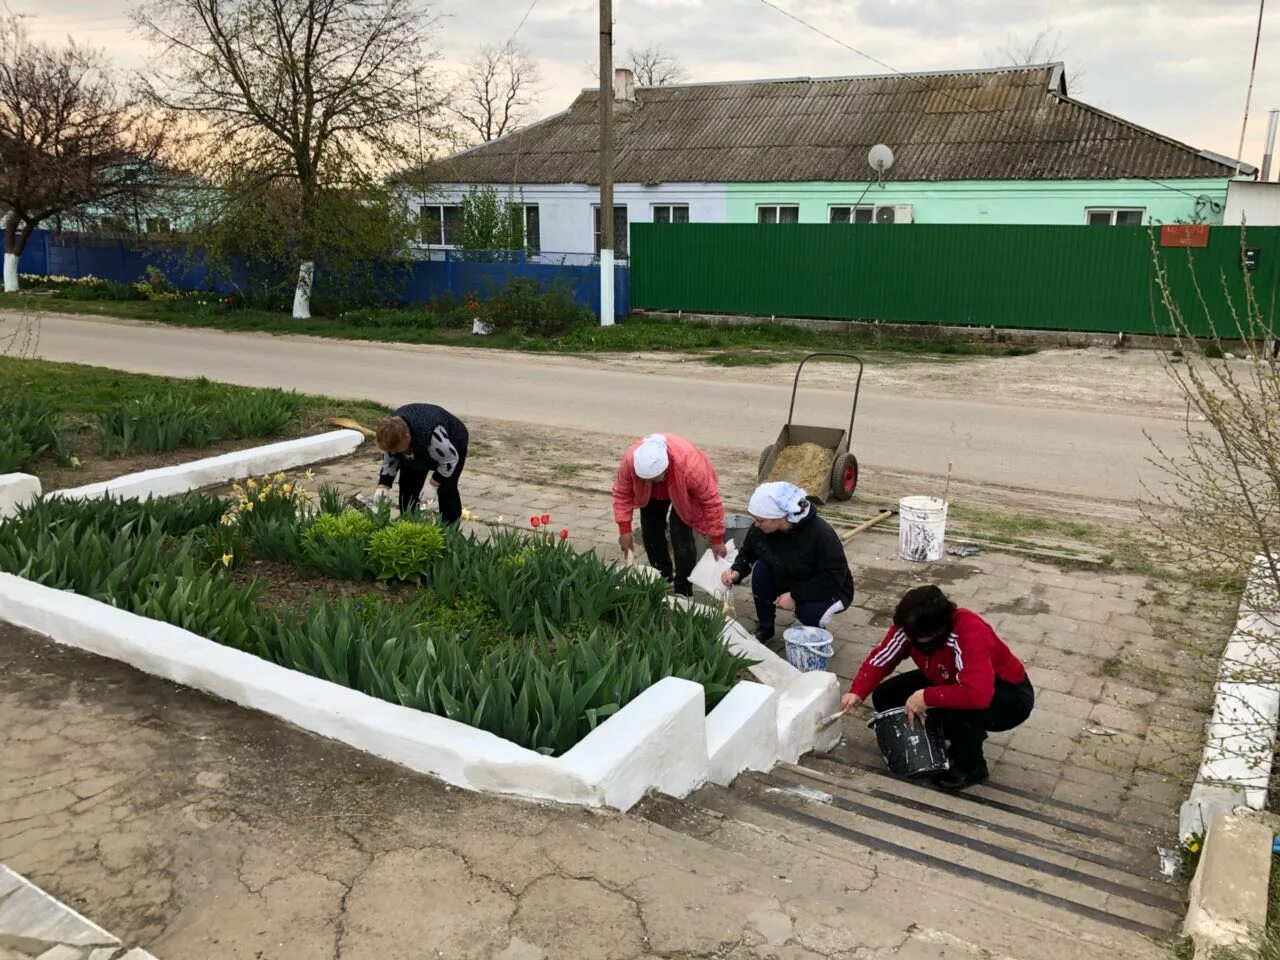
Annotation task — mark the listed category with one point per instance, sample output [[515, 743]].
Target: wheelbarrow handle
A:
[[857, 387]]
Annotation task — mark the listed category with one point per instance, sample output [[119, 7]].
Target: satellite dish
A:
[[880, 157]]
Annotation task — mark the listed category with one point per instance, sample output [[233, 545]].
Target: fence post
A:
[[448, 272], [124, 263]]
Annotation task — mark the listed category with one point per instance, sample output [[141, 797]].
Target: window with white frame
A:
[[777, 213], [670, 213], [526, 226], [1114, 216], [619, 230], [159, 225], [852, 214], [439, 223]]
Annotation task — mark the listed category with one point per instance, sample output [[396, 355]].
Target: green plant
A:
[[404, 550], [527, 307], [257, 414], [330, 498], [28, 428], [337, 544], [15, 452], [155, 423]]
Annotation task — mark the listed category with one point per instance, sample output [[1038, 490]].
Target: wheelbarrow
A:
[[841, 479]]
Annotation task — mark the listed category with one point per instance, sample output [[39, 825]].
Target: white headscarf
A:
[[651, 456], [775, 501]]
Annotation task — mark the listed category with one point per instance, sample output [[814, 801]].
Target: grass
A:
[[748, 345], [81, 393]]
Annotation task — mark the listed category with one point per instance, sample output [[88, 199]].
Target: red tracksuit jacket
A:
[[961, 671]]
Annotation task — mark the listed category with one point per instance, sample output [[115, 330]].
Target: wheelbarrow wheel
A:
[[844, 477], [765, 454]]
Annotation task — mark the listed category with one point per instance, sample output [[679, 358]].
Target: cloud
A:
[[1177, 66]]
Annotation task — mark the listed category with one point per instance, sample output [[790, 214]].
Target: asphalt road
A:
[[1100, 455]]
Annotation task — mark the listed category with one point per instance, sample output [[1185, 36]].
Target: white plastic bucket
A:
[[808, 648], [922, 526]]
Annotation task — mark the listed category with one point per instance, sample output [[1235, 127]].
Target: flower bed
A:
[[517, 634]]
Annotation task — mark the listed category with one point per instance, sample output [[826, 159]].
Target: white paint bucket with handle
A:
[[922, 526]]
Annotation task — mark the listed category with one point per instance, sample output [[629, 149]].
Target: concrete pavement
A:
[[1085, 453]]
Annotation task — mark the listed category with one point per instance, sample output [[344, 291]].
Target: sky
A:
[[1180, 67]]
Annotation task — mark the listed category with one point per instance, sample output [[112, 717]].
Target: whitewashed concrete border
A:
[[1240, 738], [662, 740], [16, 491], [211, 471]]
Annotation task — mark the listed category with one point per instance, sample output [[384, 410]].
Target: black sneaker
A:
[[764, 633], [956, 779]]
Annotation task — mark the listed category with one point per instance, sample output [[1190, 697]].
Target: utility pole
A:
[[606, 163]]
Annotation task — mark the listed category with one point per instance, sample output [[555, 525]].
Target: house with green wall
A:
[[1005, 145]]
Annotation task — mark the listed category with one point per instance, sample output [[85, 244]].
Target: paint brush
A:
[[828, 721]]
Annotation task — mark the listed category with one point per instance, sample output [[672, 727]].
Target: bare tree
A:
[[654, 66], [298, 99], [68, 138], [1047, 46], [497, 88]]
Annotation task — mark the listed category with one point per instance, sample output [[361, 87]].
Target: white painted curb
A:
[[662, 740], [16, 491], [1240, 737], [1227, 902], [211, 471]]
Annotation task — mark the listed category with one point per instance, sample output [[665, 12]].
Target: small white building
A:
[[1004, 145]]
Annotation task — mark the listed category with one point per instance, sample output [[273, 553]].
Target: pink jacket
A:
[[691, 483]]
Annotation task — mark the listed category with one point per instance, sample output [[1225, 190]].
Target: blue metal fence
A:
[[456, 273]]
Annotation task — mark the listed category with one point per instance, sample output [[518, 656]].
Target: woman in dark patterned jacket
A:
[[418, 440]]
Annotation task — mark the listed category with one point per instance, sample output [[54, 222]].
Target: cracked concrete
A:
[[202, 830]]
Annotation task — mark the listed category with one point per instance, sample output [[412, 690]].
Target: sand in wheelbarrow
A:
[[807, 465]]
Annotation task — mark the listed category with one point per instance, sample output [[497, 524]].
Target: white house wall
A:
[[566, 221]]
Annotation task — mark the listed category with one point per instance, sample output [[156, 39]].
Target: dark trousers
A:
[[413, 478], [765, 592], [657, 517], [965, 730]]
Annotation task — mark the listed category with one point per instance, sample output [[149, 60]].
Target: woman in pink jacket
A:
[[676, 489]]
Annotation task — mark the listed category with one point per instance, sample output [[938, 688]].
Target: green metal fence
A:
[[1039, 277]]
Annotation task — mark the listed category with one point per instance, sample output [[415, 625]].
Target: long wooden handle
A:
[[865, 525]]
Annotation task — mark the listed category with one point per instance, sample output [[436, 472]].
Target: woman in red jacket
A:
[[676, 490], [966, 674]]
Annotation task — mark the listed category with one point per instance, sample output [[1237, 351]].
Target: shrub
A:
[[257, 413], [404, 550], [528, 308], [337, 544]]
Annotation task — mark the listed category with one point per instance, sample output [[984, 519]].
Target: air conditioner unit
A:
[[895, 213]]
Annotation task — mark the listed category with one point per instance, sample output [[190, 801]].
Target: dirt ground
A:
[[207, 832], [1092, 378]]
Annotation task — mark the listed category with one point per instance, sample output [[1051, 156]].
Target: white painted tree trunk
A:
[[302, 292], [10, 273]]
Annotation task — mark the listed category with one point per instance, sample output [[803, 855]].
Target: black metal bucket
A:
[[910, 752]]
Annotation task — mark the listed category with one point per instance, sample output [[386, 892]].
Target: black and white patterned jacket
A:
[[437, 441]]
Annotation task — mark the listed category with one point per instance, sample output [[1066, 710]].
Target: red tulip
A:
[[546, 518], [564, 534], [534, 521]]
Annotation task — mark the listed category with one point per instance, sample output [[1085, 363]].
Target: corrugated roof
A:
[[1013, 123]]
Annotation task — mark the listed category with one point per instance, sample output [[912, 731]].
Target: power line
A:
[[512, 39], [996, 115]]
